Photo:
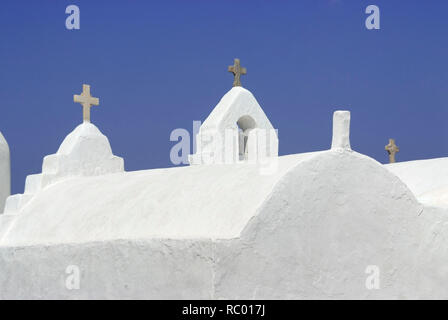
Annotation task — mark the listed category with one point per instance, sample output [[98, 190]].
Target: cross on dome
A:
[[87, 101]]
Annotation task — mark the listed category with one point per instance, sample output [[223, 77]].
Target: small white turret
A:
[[341, 131], [84, 152], [5, 172]]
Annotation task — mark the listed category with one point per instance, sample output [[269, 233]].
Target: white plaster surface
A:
[[307, 230], [84, 152], [427, 179], [236, 106], [187, 202], [341, 130], [224, 231], [5, 172]]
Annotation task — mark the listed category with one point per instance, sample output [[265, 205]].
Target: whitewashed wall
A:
[[324, 222]]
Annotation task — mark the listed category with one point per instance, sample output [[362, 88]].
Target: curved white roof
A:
[[209, 201], [427, 179]]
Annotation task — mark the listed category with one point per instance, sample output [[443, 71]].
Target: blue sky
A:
[[159, 65]]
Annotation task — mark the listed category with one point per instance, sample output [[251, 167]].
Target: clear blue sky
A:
[[159, 65]]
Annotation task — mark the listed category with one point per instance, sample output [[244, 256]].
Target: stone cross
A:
[[87, 101], [237, 71], [392, 149]]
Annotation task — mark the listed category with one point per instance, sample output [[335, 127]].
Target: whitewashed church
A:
[[240, 222]]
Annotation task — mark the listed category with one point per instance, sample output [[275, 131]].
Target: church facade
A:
[[240, 222]]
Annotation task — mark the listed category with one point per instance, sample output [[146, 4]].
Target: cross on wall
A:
[[392, 149]]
